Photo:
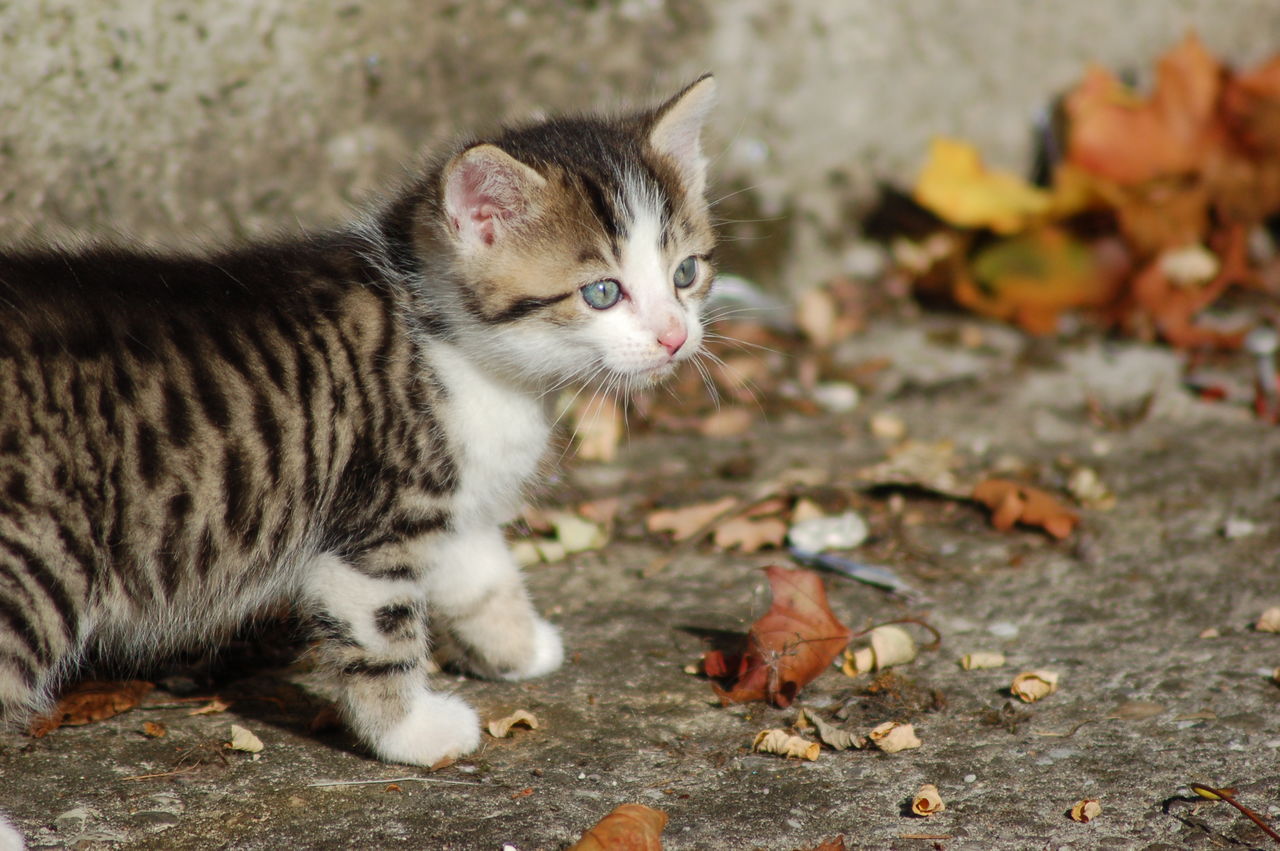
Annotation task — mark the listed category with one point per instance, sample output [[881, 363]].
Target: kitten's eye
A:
[[686, 272], [602, 295]]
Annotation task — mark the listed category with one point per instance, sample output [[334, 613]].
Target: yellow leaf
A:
[[956, 186], [500, 728]]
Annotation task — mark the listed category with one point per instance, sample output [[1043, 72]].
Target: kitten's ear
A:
[[486, 190], [677, 128]]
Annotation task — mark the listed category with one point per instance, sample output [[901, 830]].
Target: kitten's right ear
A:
[[486, 190]]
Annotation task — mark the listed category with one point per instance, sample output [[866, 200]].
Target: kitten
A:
[[343, 420]]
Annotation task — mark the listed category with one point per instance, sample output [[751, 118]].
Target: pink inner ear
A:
[[480, 193]]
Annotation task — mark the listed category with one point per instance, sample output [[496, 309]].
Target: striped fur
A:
[[342, 421]]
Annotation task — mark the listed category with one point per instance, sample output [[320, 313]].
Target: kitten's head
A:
[[582, 246]]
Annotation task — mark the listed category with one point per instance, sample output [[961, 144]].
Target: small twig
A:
[[396, 780], [1210, 792], [176, 771]]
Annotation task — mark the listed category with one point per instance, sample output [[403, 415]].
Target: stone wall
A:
[[208, 119]]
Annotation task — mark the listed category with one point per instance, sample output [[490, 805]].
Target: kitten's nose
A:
[[673, 337]]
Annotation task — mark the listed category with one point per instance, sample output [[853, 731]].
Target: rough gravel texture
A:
[[1145, 706]]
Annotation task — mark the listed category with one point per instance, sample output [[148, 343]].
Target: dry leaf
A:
[[597, 422], [630, 827], [918, 464], [976, 661], [576, 534], [244, 740], [152, 730], [500, 728], [889, 645], [1012, 503], [213, 707], [893, 736], [955, 186], [816, 314], [1210, 632], [927, 801], [1268, 621], [726, 422], [787, 648], [782, 743], [750, 535], [831, 735], [91, 701], [688, 520], [1116, 135], [1086, 810], [1032, 278], [1030, 686]]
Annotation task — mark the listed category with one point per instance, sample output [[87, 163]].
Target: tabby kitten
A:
[[343, 420]]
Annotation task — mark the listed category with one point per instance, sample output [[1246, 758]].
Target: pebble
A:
[[819, 534], [836, 397], [1238, 527]]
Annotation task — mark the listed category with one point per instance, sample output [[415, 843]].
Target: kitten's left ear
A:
[[677, 128]]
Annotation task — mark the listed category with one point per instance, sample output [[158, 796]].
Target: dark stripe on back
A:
[[379, 669], [148, 448], [177, 415], [38, 570], [268, 427]]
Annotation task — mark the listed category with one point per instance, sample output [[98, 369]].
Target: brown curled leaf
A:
[[630, 827]]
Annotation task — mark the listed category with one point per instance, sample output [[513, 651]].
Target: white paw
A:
[[10, 839], [548, 653], [438, 726]]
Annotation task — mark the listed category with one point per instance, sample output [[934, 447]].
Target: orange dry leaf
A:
[[630, 827], [1121, 137], [92, 701], [1030, 279], [1012, 503], [749, 535], [787, 648]]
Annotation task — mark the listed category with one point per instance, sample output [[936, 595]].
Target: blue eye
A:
[[602, 295], [686, 272]]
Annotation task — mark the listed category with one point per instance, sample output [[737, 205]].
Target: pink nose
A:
[[673, 338]]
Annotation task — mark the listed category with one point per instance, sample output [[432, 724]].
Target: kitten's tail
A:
[[10, 839]]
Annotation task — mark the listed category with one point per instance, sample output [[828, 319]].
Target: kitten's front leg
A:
[[478, 599], [372, 622]]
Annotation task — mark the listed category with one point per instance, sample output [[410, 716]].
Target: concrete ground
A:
[[1146, 703]]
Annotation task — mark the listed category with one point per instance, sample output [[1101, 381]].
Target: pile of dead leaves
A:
[[1147, 217]]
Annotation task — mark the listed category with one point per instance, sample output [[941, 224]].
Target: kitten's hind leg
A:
[[373, 627], [478, 598]]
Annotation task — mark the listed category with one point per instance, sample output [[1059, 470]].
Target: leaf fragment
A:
[[90, 701], [214, 707], [243, 739], [1011, 503], [500, 728], [956, 186], [894, 736], [153, 730], [784, 744], [830, 735], [1030, 686], [688, 520], [1268, 621], [629, 827], [927, 802], [981, 659], [888, 645], [750, 535], [1086, 810]]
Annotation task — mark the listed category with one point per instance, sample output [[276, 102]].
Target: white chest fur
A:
[[497, 433]]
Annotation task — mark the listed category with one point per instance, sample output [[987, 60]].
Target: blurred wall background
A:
[[202, 120]]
